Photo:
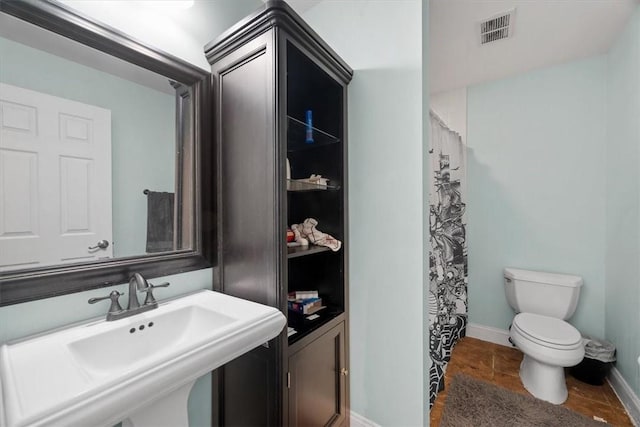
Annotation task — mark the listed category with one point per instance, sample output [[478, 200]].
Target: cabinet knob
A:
[[344, 372]]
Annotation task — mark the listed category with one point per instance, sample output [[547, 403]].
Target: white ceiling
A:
[[301, 6], [546, 32]]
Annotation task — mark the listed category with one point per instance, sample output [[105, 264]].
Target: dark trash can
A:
[[599, 356]]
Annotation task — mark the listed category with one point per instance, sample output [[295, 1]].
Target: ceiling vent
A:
[[497, 27]]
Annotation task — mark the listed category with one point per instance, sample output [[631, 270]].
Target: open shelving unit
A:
[[302, 185], [316, 268], [298, 251]]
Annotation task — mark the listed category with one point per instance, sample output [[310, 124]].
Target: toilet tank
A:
[[549, 294]]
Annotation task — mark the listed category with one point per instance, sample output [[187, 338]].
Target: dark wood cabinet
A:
[[317, 381], [269, 73]]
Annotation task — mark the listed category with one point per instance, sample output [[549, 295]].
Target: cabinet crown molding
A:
[[278, 14]]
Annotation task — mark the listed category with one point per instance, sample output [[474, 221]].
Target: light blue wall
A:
[[142, 131], [426, 172], [21, 320], [536, 167], [623, 192], [382, 42]]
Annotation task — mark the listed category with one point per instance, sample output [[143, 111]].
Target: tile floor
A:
[[500, 365]]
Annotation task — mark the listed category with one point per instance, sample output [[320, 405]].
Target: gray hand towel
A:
[[159, 221]]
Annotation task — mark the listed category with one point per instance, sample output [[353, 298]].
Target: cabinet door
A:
[[250, 234], [317, 392]]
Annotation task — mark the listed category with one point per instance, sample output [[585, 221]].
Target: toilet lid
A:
[[555, 332]]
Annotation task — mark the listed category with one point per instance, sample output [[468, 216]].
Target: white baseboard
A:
[[626, 395], [358, 420], [488, 333]]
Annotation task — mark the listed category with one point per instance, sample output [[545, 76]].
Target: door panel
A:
[[250, 234], [19, 201], [248, 398], [317, 393], [18, 118]]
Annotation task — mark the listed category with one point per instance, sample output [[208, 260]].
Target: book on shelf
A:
[[305, 302], [306, 306], [301, 295]]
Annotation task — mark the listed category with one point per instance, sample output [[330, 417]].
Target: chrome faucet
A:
[[137, 283]]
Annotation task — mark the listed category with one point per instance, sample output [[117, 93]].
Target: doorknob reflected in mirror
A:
[[102, 244]]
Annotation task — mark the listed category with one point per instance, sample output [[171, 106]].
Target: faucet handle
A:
[[150, 300], [113, 296]]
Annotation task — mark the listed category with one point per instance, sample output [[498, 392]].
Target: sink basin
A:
[[110, 350], [138, 369]]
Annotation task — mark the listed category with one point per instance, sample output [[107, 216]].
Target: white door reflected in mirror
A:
[[55, 180]]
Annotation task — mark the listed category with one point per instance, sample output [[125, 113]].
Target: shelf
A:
[[298, 251], [297, 136], [304, 327], [296, 185]]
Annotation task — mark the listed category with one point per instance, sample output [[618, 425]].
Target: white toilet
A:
[[543, 302]]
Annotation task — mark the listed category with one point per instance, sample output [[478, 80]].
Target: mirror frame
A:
[[45, 282]]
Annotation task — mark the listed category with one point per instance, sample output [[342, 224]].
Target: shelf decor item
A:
[[309, 130], [308, 231]]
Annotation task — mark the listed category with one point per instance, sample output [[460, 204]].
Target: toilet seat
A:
[[547, 331]]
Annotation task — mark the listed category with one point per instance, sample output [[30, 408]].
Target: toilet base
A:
[[546, 382]]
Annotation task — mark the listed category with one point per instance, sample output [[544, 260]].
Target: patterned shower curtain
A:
[[448, 251]]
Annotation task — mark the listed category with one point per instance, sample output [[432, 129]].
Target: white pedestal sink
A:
[[139, 369]]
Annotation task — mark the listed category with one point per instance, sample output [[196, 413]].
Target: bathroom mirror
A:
[[100, 149]]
